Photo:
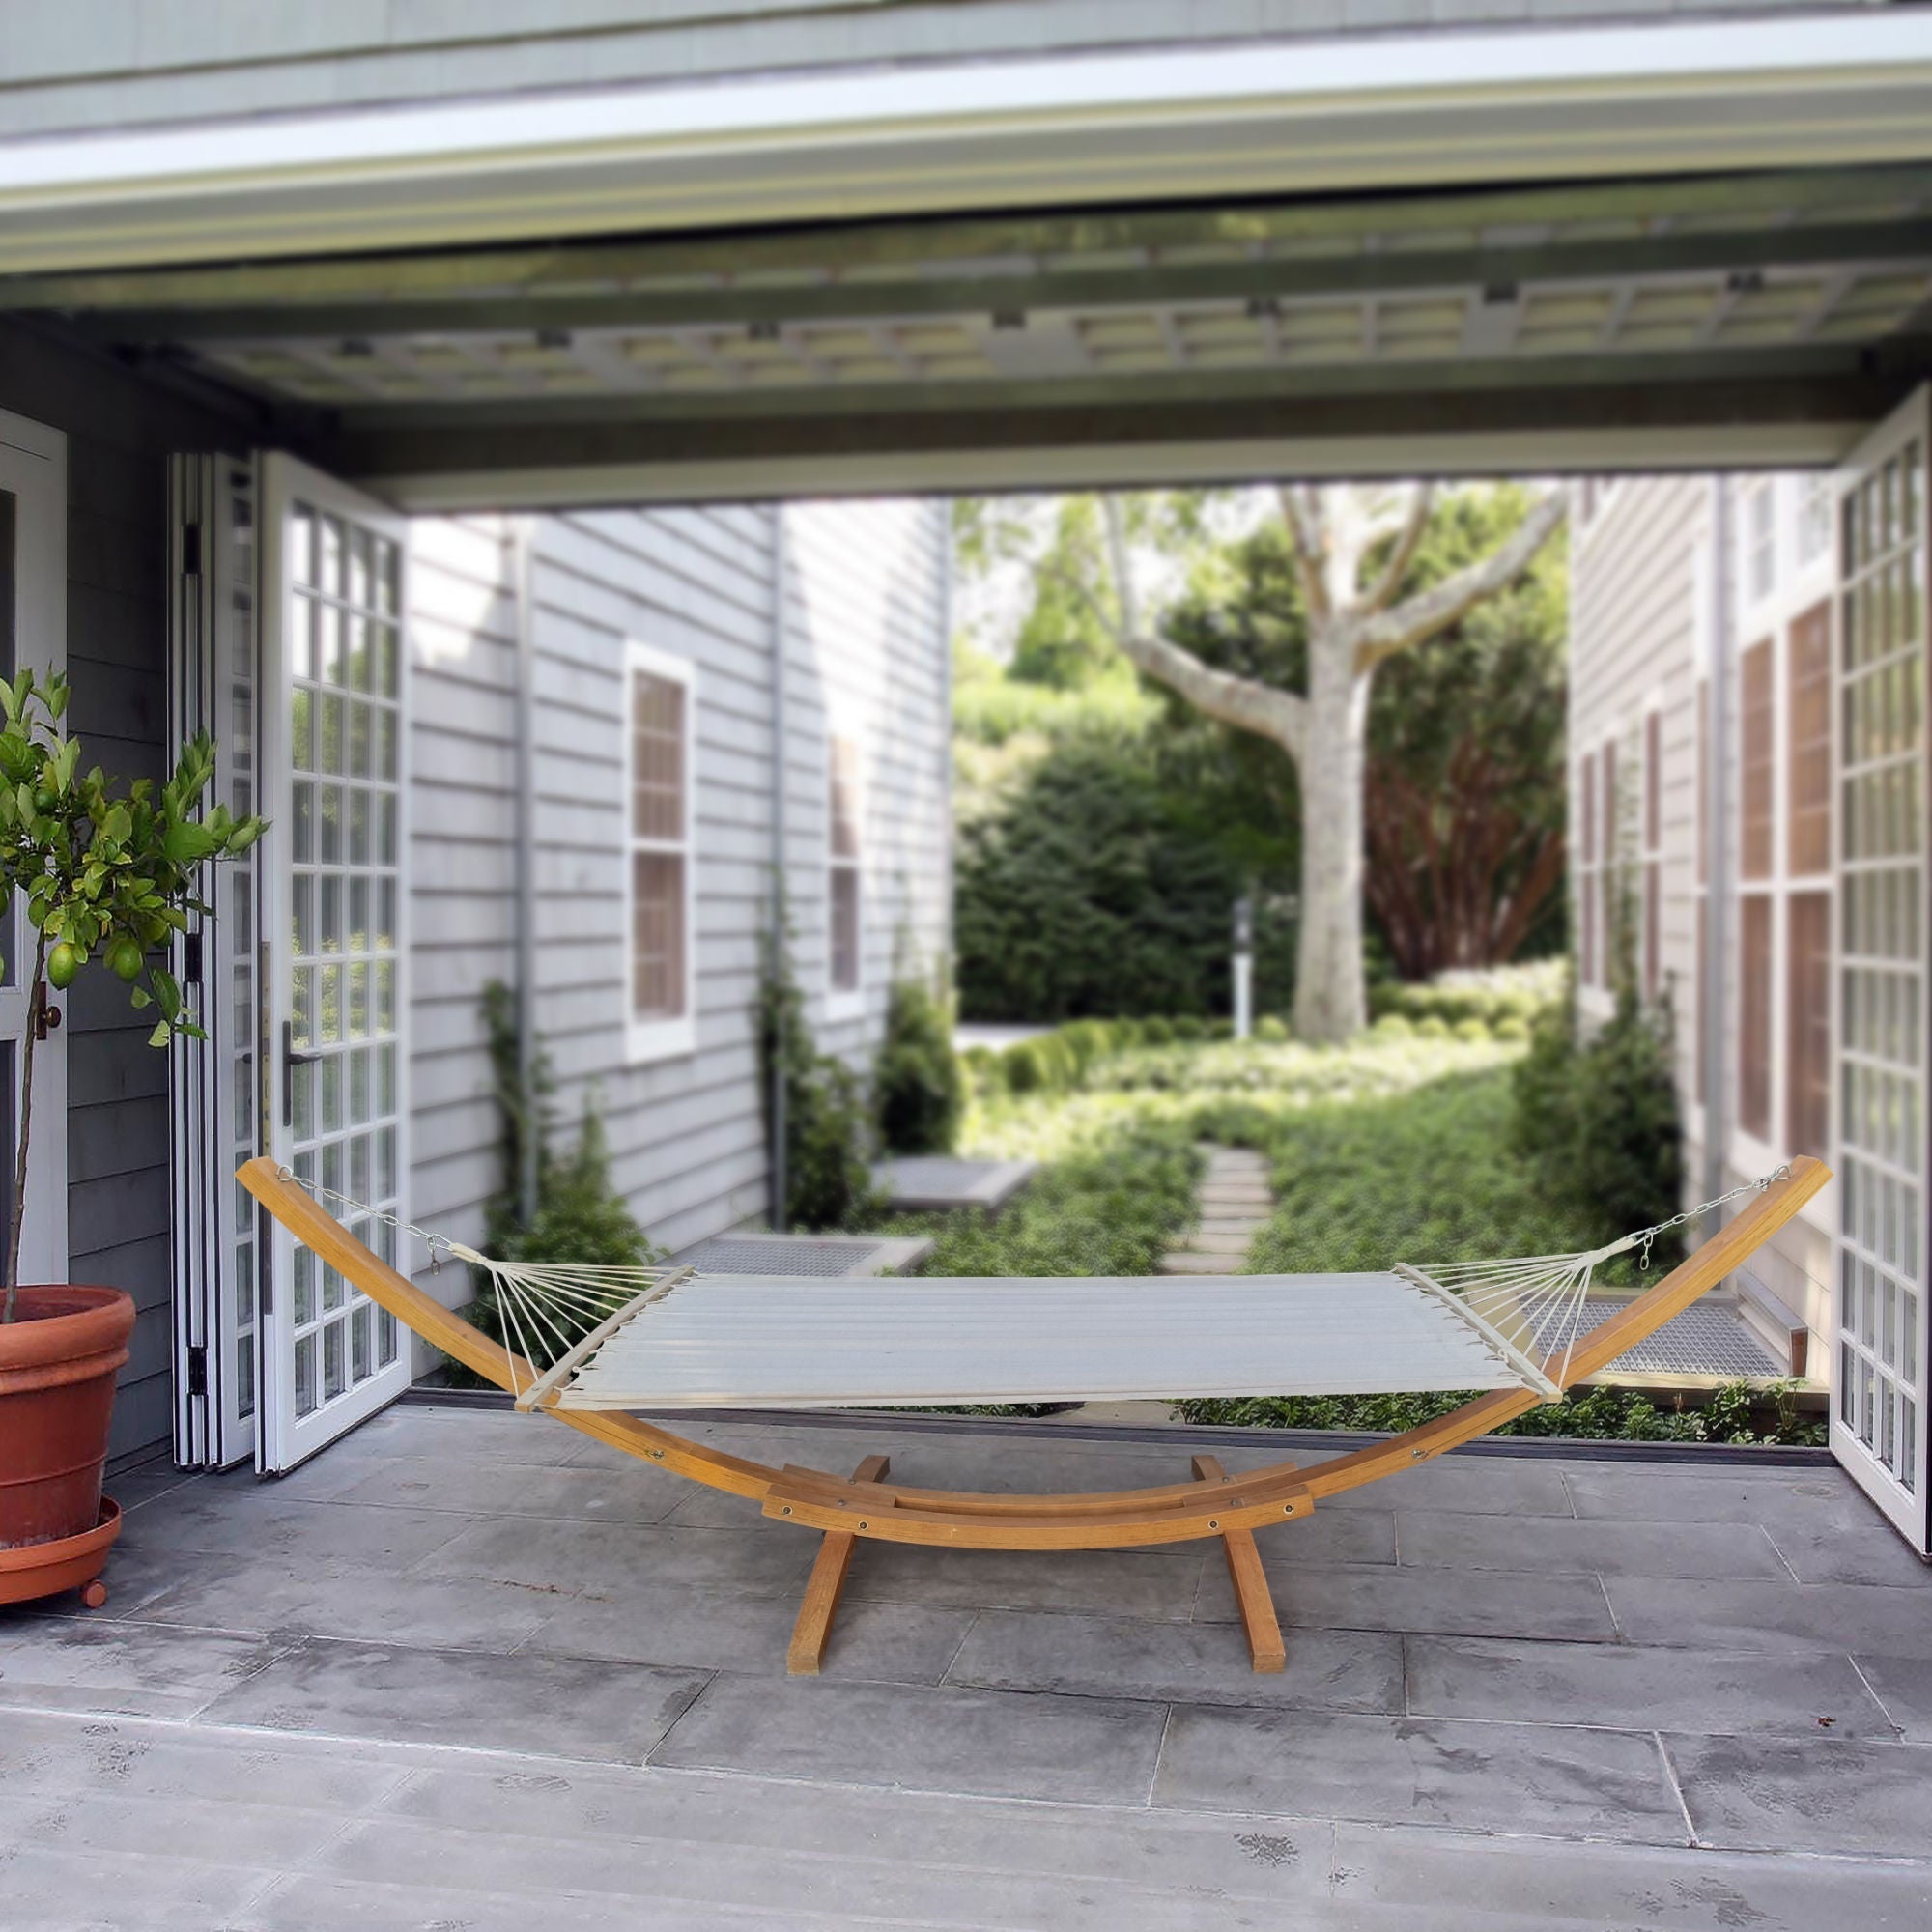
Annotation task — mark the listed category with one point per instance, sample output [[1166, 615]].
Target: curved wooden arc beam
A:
[[1112, 1519]]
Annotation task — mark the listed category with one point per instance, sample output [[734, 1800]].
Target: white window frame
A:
[[675, 1034], [1650, 846], [1596, 998], [846, 1002], [1798, 583], [1759, 537]]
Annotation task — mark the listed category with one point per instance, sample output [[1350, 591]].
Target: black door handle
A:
[[290, 1060]]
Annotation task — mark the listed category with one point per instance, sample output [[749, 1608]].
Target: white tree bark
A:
[[1351, 631]]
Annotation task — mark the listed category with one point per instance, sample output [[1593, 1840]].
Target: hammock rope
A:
[[557, 1315]]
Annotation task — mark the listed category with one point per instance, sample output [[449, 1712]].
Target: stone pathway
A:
[[1235, 1201]]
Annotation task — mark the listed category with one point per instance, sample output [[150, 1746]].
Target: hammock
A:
[[585, 1345]]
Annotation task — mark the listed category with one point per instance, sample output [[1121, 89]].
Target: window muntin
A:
[[660, 703], [1760, 541], [843, 888], [1809, 779], [1586, 871], [1754, 995], [1808, 1012], [1608, 923], [1814, 534], [1650, 828], [1757, 776]]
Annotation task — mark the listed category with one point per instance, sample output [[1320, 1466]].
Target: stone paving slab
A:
[[1771, 1794], [1455, 1540], [1090, 1750], [1801, 1694], [535, 1706], [1494, 1778], [1719, 1616], [1903, 1684], [139, 1669], [1489, 1603], [1198, 1662], [725, 1630]]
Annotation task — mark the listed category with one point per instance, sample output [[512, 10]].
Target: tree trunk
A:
[[1329, 1001]]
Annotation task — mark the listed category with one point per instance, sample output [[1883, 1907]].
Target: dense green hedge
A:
[[1086, 890]]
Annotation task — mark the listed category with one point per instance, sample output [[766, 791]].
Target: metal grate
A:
[[1702, 1341]]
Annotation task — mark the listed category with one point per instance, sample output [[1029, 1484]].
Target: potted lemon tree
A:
[[102, 873]]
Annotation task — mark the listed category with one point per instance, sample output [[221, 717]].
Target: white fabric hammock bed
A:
[[763, 1342], [590, 1345]]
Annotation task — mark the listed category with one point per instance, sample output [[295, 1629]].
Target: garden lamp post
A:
[[1244, 966]]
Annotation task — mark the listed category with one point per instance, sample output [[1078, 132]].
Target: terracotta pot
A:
[[57, 1360]]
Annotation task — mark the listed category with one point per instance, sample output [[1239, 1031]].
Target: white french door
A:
[[334, 738], [33, 631], [1880, 1377], [217, 1102]]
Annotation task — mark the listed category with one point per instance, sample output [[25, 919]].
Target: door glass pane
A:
[[1881, 1081], [345, 943]]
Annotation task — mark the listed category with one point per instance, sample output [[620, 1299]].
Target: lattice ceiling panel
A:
[[1659, 316]]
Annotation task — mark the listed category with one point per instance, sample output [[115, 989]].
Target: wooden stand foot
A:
[[1250, 1581], [826, 1585]]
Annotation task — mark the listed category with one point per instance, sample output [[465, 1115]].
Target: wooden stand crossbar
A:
[[1213, 1504]]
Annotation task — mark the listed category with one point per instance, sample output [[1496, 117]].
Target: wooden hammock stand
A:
[[865, 1504]]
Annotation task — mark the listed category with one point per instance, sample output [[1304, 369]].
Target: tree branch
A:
[[1302, 511], [1428, 611], [1248, 705], [1421, 502]]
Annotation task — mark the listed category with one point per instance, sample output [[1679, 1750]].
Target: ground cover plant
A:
[[1403, 1145]]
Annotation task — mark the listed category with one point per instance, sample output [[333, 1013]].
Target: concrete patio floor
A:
[[471, 1671]]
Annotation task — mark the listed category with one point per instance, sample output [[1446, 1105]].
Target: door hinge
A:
[[190, 960], [197, 1372]]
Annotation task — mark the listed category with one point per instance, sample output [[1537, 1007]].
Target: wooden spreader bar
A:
[[865, 1504]]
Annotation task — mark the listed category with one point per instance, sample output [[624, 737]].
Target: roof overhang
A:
[[1454, 252], [1297, 117]]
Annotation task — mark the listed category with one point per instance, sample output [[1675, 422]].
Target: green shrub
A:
[[1127, 1033], [1109, 1209], [579, 1215], [1271, 1030], [917, 1084], [1190, 1029], [1429, 1027], [1022, 1063], [828, 1122], [1087, 882], [1738, 1413], [1511, 1027], [1221, 1028], [1157, 1031], [1600, 1118], [1089, 1040], [1474, 1030], [1393, 1026]]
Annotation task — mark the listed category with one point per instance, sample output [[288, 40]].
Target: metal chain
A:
[[428, 1240], [1781, 1172]]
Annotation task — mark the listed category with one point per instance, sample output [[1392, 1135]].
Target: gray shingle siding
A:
[[119, 432], [866, 638]]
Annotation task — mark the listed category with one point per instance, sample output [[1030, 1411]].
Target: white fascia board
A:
[[1281, 117], [946, 472]]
